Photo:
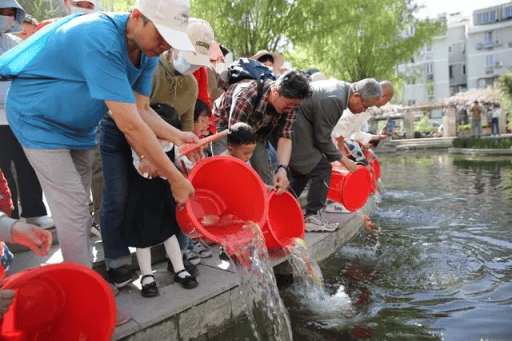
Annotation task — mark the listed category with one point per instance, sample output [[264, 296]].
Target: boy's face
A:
[[200, 125], [243, 152]]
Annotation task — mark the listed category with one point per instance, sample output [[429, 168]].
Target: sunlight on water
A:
[[266, 312]]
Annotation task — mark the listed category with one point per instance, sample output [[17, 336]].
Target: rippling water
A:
[[440, 269]]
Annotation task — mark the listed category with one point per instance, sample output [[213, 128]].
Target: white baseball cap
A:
[[170, 18], [94, 2], [201, 35]]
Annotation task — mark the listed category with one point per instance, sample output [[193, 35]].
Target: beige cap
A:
[[201, 35], [171, 20], [318, 76], [278, 60]]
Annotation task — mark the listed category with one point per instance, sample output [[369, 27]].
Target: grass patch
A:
[[483, 143]]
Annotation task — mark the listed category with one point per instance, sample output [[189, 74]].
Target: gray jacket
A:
[[315, 119]]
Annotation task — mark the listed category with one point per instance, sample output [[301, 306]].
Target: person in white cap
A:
[[60, 96], [173, 84], [273, 60], [81, 6]]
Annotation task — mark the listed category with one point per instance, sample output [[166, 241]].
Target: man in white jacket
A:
[[348, 131]]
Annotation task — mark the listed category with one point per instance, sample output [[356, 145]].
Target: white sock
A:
[[144, 259], [172, 247]]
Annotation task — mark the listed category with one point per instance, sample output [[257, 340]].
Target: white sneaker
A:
[[315, 223], [191, 257], [44, 221], [199, 249], [334, 207]]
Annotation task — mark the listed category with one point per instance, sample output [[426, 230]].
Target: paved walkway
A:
[[180, 314]]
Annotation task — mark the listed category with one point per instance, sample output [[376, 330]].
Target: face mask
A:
[[219, 67], [6, 23], [79, 10], [182, 66]]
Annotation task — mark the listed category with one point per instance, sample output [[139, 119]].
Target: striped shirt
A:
[[263, 118]]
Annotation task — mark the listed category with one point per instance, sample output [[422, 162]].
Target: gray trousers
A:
[[65, 176]]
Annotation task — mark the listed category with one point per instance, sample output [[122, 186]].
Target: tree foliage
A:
[[350, 40], [42, 9]]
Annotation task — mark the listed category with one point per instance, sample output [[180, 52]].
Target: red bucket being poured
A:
[[64, 301], [228, 193], [285, 220], [375, 170], [350, 189]]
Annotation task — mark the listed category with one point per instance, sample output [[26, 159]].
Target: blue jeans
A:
[[495, 121], [116, 159]]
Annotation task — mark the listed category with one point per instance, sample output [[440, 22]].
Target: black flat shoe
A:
[[191, 268], [149, 290], [188, 282]]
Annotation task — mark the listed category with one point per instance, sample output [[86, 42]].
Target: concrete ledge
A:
[[480, 152]]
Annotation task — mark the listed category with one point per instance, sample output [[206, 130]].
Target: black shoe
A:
[[191, 268], [121, 276], [149, 290], [223, 255], [188, 282]]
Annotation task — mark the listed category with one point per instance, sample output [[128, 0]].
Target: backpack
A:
[[245, 68]]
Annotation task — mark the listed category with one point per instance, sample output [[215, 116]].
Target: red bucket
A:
[[375, 164], [285, 221], [64, 301], [350, 189], [227, 189]]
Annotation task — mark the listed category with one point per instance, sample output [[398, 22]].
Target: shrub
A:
[[483, 143]]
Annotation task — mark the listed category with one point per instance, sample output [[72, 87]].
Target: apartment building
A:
[[472, 53]]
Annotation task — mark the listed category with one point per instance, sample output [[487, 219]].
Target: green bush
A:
[[483, 143]]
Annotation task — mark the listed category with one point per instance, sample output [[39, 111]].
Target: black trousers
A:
[[319, 180], [25, 187]]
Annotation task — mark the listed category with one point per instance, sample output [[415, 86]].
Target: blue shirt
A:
[[58, 99]]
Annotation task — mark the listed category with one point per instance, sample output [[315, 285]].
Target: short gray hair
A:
[[369, 89]]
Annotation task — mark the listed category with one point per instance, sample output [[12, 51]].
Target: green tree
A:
[[42, 9], [372, 37], [246, 26], [505, 85]]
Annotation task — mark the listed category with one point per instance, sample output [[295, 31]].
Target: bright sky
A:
[[434, 7]]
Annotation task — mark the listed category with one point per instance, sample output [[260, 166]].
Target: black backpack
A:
[[245, 68]]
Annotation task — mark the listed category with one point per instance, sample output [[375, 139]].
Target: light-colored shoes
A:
[[44, 221], [334, 207], [191, 257], [199, 249], [316, 223]]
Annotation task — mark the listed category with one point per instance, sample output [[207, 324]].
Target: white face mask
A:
[[182, 66], [79, 10], [6, 23], [219, 67]]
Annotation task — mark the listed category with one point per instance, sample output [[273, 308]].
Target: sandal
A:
[[150, 289], [188, 282]]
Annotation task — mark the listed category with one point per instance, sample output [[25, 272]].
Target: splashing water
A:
[[266, 312], [309, 286]]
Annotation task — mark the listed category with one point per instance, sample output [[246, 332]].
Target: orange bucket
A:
[[63, 301], [350, 189], [227, 190], [285, 220]]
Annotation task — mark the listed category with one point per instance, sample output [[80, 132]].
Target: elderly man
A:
[[274, 110], [59, 98], [313, 149], [348, 132]]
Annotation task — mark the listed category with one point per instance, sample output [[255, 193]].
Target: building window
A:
[[429, 68], [450, 69], [428, 48], [488, 37], [485, 18], [463, 69], [508, 12], [488, 61], [450, 48], [430, 91]]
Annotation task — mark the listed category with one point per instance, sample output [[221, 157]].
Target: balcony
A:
[[489, 69], [430, 76]]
